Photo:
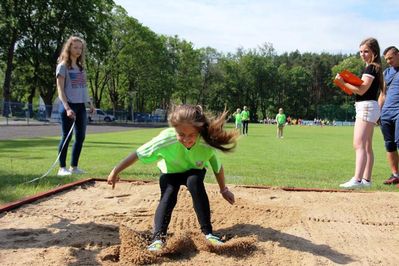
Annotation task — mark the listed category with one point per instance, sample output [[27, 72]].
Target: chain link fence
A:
[[13, 113]]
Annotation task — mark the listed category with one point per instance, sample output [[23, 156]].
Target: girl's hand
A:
[[92, 109], [70, 113], [112, 179], [339, 78], [228, 195]]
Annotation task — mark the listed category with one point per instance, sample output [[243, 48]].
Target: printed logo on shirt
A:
[[199, 163], [77, 79]]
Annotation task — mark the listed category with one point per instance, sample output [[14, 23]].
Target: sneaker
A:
[[63, 172], [392, 180], [366, 183], [214, 239], [76, 171], [157, 245], [352, 183]]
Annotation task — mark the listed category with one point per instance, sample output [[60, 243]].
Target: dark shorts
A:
[[390, 130]]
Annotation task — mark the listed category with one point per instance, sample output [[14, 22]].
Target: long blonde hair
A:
[[65, 55], [210, 129]]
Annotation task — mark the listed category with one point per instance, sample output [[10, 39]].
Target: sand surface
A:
[[95, 225]]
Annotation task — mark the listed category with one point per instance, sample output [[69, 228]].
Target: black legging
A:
[[245, 127], [170, 185]]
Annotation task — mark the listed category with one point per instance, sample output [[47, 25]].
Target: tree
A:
[[39, 28], [12, 26]]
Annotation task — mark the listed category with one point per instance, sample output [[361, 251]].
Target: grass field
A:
[[311, 157]]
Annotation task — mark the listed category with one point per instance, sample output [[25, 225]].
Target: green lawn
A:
[[312, 157]]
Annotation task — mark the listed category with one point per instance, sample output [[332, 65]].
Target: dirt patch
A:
[[94, 225]]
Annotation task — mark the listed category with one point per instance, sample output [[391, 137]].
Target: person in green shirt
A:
[[238, 119], [280, 119], [184, 152], [245, 120]]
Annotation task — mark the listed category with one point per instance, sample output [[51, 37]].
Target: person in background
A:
[[367, 112], [280, 120], [183, 152], [245, 120], [389, 103], [238, 118], [73, 94]]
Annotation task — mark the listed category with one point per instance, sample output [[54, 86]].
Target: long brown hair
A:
[[373, 45], [211, 129], [65, 55]]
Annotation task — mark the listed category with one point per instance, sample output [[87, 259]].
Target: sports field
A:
[[95, 225]]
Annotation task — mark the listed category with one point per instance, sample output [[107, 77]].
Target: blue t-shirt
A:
[[391, 104], [75, 87], [372, 93]]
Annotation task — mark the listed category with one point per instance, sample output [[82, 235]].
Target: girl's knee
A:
[[195, 184]]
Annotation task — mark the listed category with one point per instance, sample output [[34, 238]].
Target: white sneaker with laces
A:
[[63, 172], [366, 183], [352, 183], [76, 171]]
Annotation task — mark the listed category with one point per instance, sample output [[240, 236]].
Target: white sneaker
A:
[[366, 183], [157, 245], [214, 239], [63, 172], [76, 171], [352, 183]]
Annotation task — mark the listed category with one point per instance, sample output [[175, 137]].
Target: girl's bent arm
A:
[[359, 90], [62, 96]]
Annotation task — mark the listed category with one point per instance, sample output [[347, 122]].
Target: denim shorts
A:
[[390, 130], [368, 111]]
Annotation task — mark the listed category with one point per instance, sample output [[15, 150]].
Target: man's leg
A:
[[392, 158]]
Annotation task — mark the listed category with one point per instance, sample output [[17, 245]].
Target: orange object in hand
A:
[[348, 77]]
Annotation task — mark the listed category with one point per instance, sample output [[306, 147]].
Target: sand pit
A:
[[94, 225]]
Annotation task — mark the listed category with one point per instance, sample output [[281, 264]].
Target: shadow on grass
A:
[[20, 145], [15, 187]]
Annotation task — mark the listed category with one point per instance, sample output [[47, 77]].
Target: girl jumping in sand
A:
[[183, 152]]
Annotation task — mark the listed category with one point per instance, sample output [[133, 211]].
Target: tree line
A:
[[129, 64]]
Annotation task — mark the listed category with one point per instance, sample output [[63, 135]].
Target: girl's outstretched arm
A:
[[226, 193], [128, 161]]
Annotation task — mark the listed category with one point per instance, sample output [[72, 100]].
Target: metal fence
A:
[[12, 113]]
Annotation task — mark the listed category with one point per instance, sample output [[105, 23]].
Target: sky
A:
[[317, 26]]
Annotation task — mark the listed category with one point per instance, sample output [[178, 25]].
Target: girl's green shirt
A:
[[174, 157], [238, 118], [280, 118], [245, 115]]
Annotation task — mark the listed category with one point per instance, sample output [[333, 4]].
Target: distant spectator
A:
[[238, 119], [245, 120], [281, 120]]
